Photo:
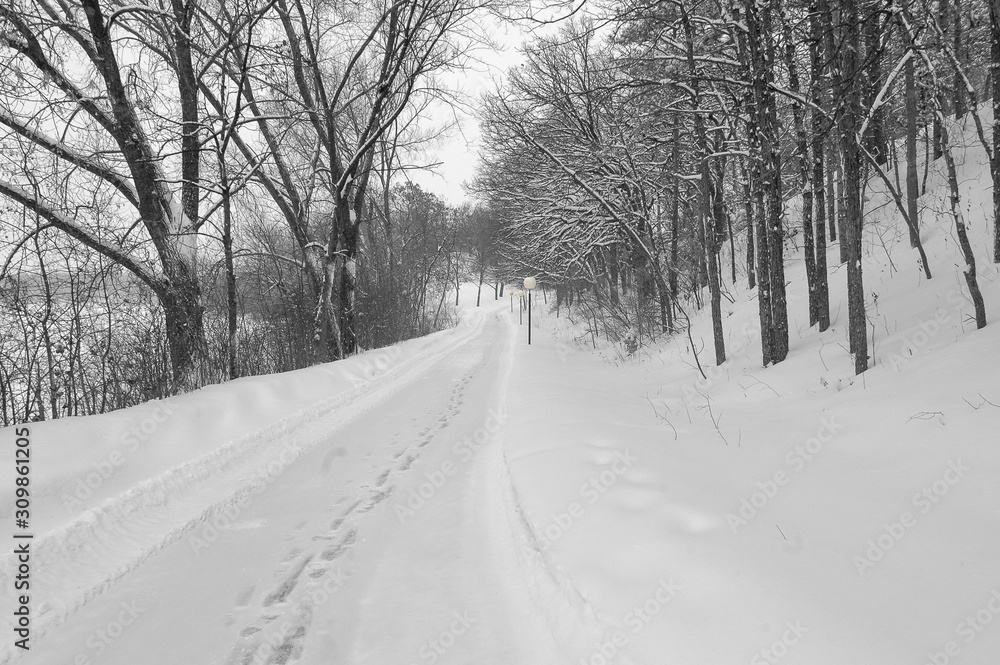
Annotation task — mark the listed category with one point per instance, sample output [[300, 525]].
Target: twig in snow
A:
[[711, 414], [821, 345], [981, 404], [663, 418], [756, 380], [927, 415]]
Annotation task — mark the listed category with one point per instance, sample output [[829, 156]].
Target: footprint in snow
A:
[[338, 550], [280, 594], [378, 498], [290, 649]]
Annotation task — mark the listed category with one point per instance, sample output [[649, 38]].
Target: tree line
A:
[[196, 190], [632, 150]]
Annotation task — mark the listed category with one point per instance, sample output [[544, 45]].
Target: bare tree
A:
[[66, 91]]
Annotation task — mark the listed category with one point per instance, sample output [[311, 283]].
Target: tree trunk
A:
[[995, 163], [330, 336], [611, 262], [187, 89], [763, 271], [957, 84], [805, 168], [875, 140], [763, 187], [707, 224], [912, 185], [850, 123], [772, 185], [832, 202], [184, 318], [227, 249], [841, 208], [748, 198], [971, 280], [732, 248], [817, 57], [675, 220]]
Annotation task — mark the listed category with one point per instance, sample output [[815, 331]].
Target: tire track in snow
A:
[[295, 608], [557, 602], [445, 556]]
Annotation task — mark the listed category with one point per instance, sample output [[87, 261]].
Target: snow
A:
[[467, 498]]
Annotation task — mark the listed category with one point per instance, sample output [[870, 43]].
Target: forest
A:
[[193, 191]]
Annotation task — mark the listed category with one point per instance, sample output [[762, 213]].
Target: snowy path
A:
[[386, 541]]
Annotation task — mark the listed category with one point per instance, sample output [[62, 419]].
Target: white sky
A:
[[458, 153]]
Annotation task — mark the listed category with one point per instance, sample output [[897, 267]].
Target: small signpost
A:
[[529, 284]]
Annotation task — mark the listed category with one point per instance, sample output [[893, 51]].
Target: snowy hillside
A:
[[467, 498]]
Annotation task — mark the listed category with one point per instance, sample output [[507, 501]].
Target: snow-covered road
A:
[[377, 536]]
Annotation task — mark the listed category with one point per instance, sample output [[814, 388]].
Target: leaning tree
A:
[[121, 119]]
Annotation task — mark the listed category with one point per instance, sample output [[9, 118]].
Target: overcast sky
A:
[[458, 154]]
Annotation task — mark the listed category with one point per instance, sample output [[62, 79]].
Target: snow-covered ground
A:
[[467, 498]]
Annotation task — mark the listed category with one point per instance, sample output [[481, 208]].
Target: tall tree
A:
[[67, 74], [805, 168], [995, 161], [912, 187], [939, 97], [875, 33], [849, 93], [765, 147], [820, 129], [706, 188]]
